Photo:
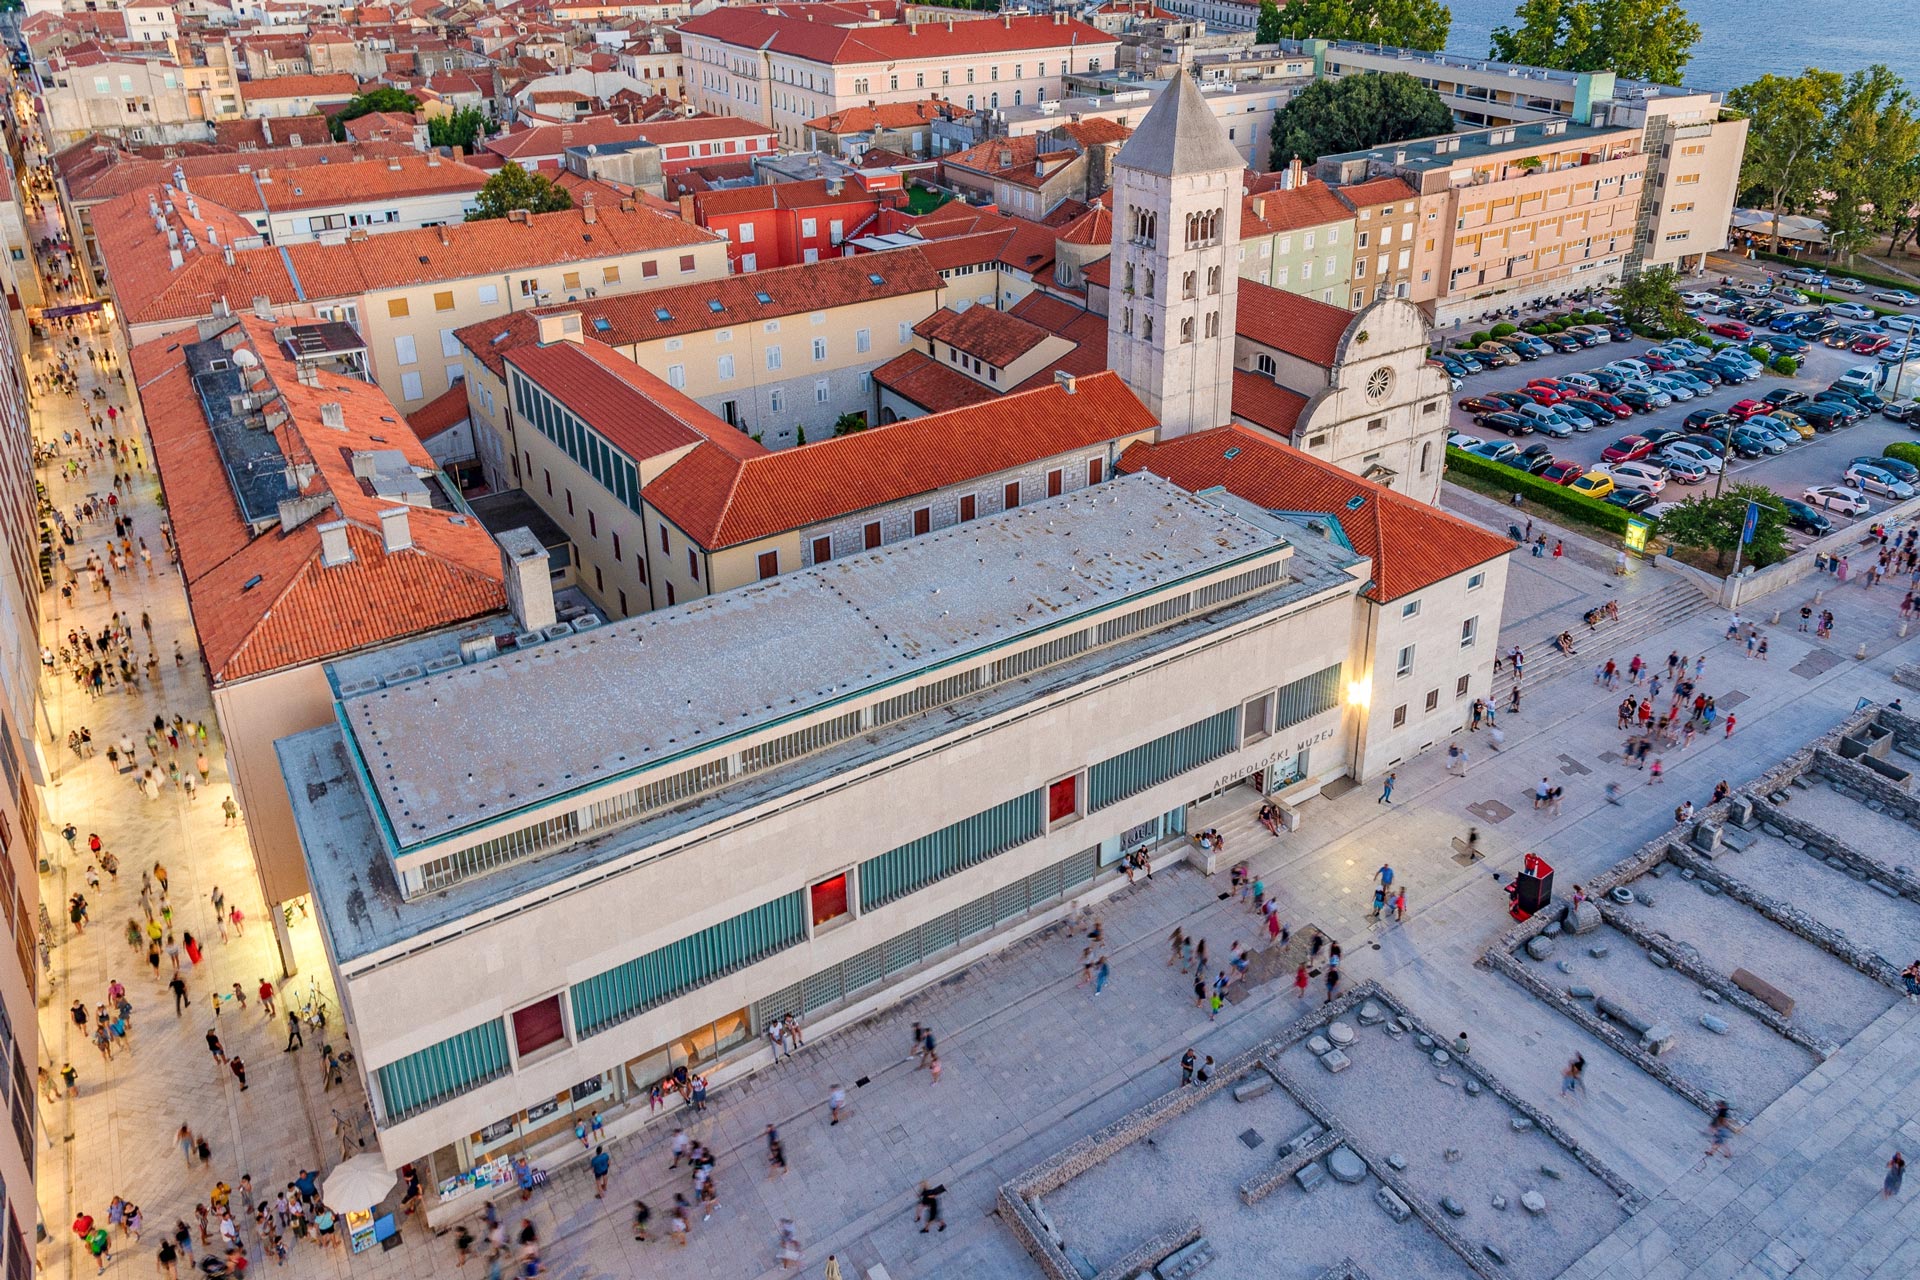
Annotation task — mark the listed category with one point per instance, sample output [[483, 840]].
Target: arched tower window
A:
[[1186, 329]]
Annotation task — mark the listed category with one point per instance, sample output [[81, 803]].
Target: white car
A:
[[1698, 299], [1847, 284], [1850, 310], [1874, 480], [1682, 470], [1461, 440], [1900, 323], [1648, 477], [1896, 297], [1832, 497], [1688, 451], [1585, 381]]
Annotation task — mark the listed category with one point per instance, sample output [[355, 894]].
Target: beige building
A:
[[137, 95], [785, 70], [407, 292], [305, 487], [1297, 235]]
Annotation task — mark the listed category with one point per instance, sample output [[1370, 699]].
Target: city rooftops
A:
[[635, 695]]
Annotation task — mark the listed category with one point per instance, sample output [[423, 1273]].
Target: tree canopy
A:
[[1650, 302], [463, 128], [1412, 24], [514, 188], [1639, 39], [1789, 138], [381, 99], [1356, 112], [1713, 523]]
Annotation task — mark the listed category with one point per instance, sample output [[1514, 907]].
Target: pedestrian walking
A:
[[836, 1103], [1719, 1129], [239, 1069], [1386, 788], [215, 1048], [601, 1164], [1187, 1061], [928, 1214], [1100, 974], [179, 988], [1896, 1171]]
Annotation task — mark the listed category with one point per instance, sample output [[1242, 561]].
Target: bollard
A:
[[1776, 618], [1818, 594], [1861, 652], [1903, 631]]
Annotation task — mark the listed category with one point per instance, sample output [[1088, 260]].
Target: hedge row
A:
[[1582, 509], [1904, 452]]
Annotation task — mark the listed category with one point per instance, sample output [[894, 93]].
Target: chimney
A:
[[174, 260], [560, 326], [1063, 380], [587, 210], [394, 533], [1260, 207], [262, 306], [523, 565], [1297, 171], [332, 415], [333, 544]]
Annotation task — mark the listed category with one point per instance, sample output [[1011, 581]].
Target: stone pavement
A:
[[1033, 1061]]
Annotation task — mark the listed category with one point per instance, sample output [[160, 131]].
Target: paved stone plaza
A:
[[1034, 1063]]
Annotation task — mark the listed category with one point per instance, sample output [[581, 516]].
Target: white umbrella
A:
[[359, 1184]]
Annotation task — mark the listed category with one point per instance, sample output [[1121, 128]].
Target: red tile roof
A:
[[264, 603], [444, 411], [768, 30], [632, 318], [721, 502], [1095, 226], [1087, 331], [935, 387], [275, 190], [1377, 191], [325, 87], [1095, 131], [115, 172], [1278, 211], [884, 115], [1289, 322], [1265, 403], [637, 412], [1412, 545], [995, 337]]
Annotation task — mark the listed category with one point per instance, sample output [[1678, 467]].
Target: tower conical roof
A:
[[1180, 135]]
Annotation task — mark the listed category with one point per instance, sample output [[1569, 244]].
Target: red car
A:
[[1627, 449], [1541, 395], [1730, 329], [1552, 384], [1611, 403], [1741, 410], [1658, 363], [1563, 472], [1483, 404], [1872, 346]]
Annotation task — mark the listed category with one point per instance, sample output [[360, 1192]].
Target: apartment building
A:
[[780, 356], [1244, 109], [406, 291], [781, 224], [293, 485], [136, 94], [903, 128], [1694, 151], [1515, 213], [682, 144], [1213, 652], [1481, 92], [1386, 218], [787, 66], [282, 96], [967, 357], [296, 206], [1298, 235]]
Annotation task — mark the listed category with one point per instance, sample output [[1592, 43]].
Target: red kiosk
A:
[[1532, 889]]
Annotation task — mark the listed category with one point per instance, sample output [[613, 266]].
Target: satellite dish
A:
[[245, 358]]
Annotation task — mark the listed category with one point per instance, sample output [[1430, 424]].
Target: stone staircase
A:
[[1639, 618]]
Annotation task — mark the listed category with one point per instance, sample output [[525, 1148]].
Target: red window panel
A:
[[968, 507], [829, 900], [538, 1025], [769, 564], [922, 521], [822, 550], [1060, 799], [1096, 470], [872, 535], [1055, 483], [1013, 495]]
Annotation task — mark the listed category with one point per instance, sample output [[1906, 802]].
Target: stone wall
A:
[[1872, 788], [1819, 842], [1684, 964], [1151, 1250]]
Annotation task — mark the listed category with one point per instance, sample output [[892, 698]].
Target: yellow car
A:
[[1595, 484], [1496, 353], [1795, 421]]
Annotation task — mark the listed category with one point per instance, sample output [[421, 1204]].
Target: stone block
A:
[[1342, 1034], [1563, 966], [1551, 1172], [1318, 1045], [1346, 1166], [1552, 930], [1451, 1081], [1473, 1088], [1396, 1161], [1736, 839], [1450, 1155], [1257, 1085], [1793, 842], [1522, 1123], [1540, 946], [1706, 838], [1184, 1261], [1300, 1141], [1881, 887], [1425, 1042], [1740, 811], [1584, 917], [1335, 1061], [1396, 1207], [1493, 1252], [1765, 992], [1620, 1014], [1310, 1176], [1709, 888], [1453, 1206], [1081, 1263], [1710, 995], [1772, 830], [1441, 1057], [1621, 894], [1533, 1202], [1371, 1014], [1659, 961], [1580, 993], [1499, 1201], [1716, 1025], [1657, 1039], [1600, 952]]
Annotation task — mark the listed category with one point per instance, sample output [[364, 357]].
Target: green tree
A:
[[381, 99], [1789, 138], [1356, 112], [849, 424], [514, 188], [1651, 302], [1639, 39], [1411, 24], [464, 128], [1871, 174], [1713, 523], [1267, 31]]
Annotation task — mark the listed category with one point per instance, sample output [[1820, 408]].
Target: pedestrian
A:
[[179, 988], [1719, 1129], [1187, 1061], [1571, 1078], [239, 1069], [601, 1164], [836, 1103], [265, 992], [680, 1144], [641, 1216], [215, 1048], [1100, 974], [1333, 980], [1730, 721], [1896, 1170], [295, 1040], [933, 1059], [929, 1211], [1386, 788]]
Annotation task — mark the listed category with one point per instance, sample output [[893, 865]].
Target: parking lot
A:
[[1821, 460]]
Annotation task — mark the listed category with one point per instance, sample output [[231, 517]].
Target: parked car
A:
[[1595, 484], [1658, 436], [1634, 500], [1870, 478], [1901, 469], [1780, 431], [1495, 450], [1850, 310], [1847, 284], [1608, 380], [1644, 399], [1816, 325], [1649, 477], [1693, 381], [1792, 421], [1483, 404], [1849, 409], [1907, 411], [1676, 452], [1822, 416], [1511, 423], [1786, 321], [1493, 355], [1751, 439], [1784, 397], [1804, 518], [1734, 329], [1705, 420], [1697, 299], [1591, 335], [1897, 297], [1563, 472], [1461, 440], [1731, 373], [1806, 275], [1741, 410], [1903, 323], [1591, 415], [1681, 471], [1782, 344], [1563, 342], [1627, 449], [1837, 498], [1611, 403], [1872, 345]]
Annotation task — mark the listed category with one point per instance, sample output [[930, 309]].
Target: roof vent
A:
[[332, 415], [394, 533], [412, 671], [478, 649], [334, 549]]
